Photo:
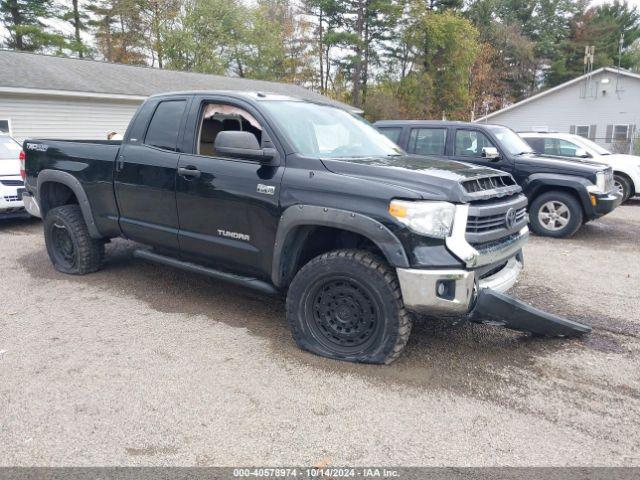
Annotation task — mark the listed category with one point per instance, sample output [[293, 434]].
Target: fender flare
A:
[[287, 244], [68, 180], [578, 184]]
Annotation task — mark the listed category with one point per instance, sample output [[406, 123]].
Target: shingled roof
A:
[[27, 71]]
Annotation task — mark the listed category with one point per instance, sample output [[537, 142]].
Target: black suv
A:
[[563, 194]]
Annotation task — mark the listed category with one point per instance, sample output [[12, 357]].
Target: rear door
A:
[[466, 146], [145, 177], [427, 141], [228, 207]]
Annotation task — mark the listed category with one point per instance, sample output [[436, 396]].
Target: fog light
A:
[[594, 200], [446, 289]]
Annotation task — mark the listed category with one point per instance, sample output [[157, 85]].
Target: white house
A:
[[45, 96], [603, 106]]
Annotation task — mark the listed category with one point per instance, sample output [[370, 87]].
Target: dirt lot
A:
[[144, 365]]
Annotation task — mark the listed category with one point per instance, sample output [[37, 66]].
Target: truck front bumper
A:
[[451, 292], [604, 203]]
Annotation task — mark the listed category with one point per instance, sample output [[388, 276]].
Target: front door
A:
[[467, 146], [145, 179], [228, 208]]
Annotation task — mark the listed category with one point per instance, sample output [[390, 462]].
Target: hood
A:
[[561, 165], [432, 178], [619, 159], [9, 167]]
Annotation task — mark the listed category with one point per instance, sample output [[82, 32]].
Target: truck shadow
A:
[[440, 354]]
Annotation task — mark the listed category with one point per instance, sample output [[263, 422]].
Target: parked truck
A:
[[293, 198], [563, 193]]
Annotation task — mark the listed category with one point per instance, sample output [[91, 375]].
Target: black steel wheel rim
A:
[[63, 245], [343, 315]]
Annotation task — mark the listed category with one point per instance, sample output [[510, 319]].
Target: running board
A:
[[495, 308], [248, 282]]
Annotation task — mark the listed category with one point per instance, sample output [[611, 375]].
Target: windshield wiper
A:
[[525, 153]]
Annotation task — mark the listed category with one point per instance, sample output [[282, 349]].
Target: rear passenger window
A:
[[164, 126], [392, 134], [427, 141]]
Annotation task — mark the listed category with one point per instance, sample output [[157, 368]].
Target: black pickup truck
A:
[[563, 193], [291, 197]]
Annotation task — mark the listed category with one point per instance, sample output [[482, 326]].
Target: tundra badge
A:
[[266, 189]]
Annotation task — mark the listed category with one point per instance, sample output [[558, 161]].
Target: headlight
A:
[[601, 184], [433, 219]]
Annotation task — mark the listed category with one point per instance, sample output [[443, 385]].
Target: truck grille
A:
[[12, 183], [488, 183], [491, 220]]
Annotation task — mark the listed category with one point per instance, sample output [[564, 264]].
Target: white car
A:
[[626, 168], [11, 184]]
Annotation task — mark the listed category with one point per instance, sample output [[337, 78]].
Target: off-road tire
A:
[[625, 185], [84, 255], [575, 210], [368, 284]]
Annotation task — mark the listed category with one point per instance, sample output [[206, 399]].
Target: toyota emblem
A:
[[510, 218]]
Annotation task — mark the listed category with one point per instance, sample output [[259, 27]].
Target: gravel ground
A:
[[140, 364]]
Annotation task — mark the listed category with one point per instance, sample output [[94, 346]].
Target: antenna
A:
[[620, 47], [589, 54]]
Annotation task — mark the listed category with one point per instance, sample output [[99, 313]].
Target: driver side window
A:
[[218, 118], [469, 143]]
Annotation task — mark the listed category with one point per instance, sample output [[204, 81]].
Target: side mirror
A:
[[582, 153], [490, 153], [242, 145]]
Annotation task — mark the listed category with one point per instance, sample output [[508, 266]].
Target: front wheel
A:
[[347, 305], [555, 214], [623, 186], [70, 247]]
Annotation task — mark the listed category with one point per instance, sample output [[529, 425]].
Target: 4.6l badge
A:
[[266, 189]]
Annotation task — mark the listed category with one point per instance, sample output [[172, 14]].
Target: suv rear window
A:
[[165, 124], [427, 141], [392, 133]]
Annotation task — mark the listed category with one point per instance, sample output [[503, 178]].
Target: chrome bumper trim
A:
[[492, 253], [31, 205], [504, 279], [419, 287], [419, 290]]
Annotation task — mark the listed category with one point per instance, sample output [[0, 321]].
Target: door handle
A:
[[189, 172], [120, 163]]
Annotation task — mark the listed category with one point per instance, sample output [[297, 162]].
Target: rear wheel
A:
[[555, 214], [622, 185], [347, 305], [70, 247]]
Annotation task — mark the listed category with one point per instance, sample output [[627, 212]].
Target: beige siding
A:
[[65, 117]]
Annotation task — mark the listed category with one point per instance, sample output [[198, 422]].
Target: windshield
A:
[[9, 148], [589, 145], [328, 132], [510, 140]]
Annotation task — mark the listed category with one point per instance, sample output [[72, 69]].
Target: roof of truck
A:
[[442, 123], [22, 72]]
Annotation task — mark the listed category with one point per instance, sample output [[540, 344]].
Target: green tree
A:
[[25, 22], [79, 20]]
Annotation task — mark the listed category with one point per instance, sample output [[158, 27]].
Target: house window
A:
[[620, 133], [4, 127], [582, 130]]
